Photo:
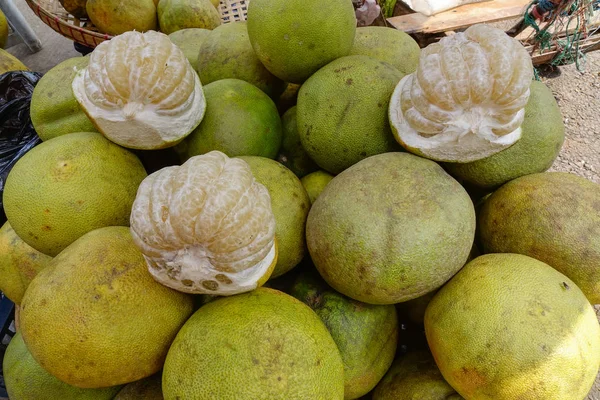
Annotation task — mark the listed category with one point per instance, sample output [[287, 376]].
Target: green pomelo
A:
[[414, 376], [258, 345], [342, 112], [390, 228], [146, 389], [68, 186], [75, 7], [294, 38], [365, 334], [8, 63], [116, 16], [553, 217], [315, 183], [290, 204], [541, 141], [510, 327], [25, 379], [189, 41], [240, 120], [95, 317], [3, 30], [54, 109], [292, 154], [174, 15], [388, 45], [227, 53], [288, 98]]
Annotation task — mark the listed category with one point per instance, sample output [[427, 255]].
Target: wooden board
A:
[[461, 17]]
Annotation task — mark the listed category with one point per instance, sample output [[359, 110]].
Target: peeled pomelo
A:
[[258, 345], [391, 228], [140, 91], [291, 153], [227, 53], [174, 15], [315, 183], [54, 109], [206, 226], [541, 141], [189, 41], [365, 334], [95, 317], [466, 101], [25, 379], [290, 204], [510, 327], [3, 30], [116, 16], [146, 389], [68, 186], [294, 38], [240, 120], [342, 112], [389, 45], [8, 63], [19, 264]]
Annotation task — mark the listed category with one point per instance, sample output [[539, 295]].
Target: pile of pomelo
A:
[[296, 208]]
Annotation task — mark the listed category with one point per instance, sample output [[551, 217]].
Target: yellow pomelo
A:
[[54, 109], [189, 41], [258, 345], [510, 327], [294, 38], [553, 217], [3, 30], [8, 63], [174, 15], [116, 16], [315, 183], [68, 186], [95, 317], [75, 7], [146, 389], [388, 45], [19, 264], [291, 153], [290, 205]]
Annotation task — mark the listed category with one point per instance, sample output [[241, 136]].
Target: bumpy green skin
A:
[[174, 15], [290, 204], [227, 53], [553, 217], [189, 41], [388, 45], [294, 38], [342, 112], [292, 154], [117, 16], [263, 344], [25, 379], [366, 335], [54, 109], [315, 183], [146, 389], [391, 228], [541, 141], [240, 120], [415, 376]]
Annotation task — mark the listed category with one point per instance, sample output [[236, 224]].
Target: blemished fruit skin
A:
[[366, 335], [292, 154], [553, 217], [263, 344], [391, 228], [541, 141], [294, 38], [116, 17], [68, 186], [290, 204], [388, 45], [174, 15], [510, 327], [315, 183], [189, 41], [95, 317], [54, 109], [146, 389], [8, 63], [25, 379], [342, 112]]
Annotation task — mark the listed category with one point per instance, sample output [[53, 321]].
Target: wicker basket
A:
[[84, 32]]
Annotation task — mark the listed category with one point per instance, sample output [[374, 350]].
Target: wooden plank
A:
[[461, 17]]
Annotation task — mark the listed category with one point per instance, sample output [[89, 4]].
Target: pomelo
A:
[[391, 228], [3, 30], [174, 15], [288, 98], [342, 112], [227, 53], [510, 327], [8, 63], [54, 109], [388, 45], [294, 38], [95, 317], [189, 41], [240, 120], [315, 183], [146, 389], [258, 345], [553, 217], [68, 186], [75, 7], [292, 154], [290, 205], [116, 17]]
